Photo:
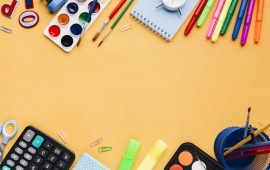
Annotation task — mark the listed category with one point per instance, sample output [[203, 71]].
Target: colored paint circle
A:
[[185, 158], [72, 8], [97, 8], [198, 165], [67, 41], [54, 30], [76, 29], [176, 167], [63, 19], [83, 17]]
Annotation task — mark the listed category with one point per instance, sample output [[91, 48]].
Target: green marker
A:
[[130, 155], [229, 17], [206, 11]]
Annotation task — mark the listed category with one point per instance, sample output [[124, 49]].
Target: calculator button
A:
[[19, 168], [14, 157], [48, 145], [43, 153], [23, 162], [61, 164], [33, 167], [18, 150], [28, 136], [10, 163], [57, 151], [38, 141], [47, 165], [6, 168], [22, 144], [38, 160], [32, 150], [28, 156], [52, 158], [66, 157]]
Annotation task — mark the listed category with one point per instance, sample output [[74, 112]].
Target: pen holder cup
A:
[[231, 136]]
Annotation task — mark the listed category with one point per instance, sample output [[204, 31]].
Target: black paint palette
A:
[[67, 26], [190, 157]]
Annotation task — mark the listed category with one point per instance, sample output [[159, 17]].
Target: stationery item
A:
[[259, 20], [229, 17], [66, 27], [63, 137], [215, 18], [205, 12], [195, 16], [247, 122], [239, 19], [248, 20], [87, 162], [175, 5], [5, 29], [130, 155], [221, 20], [189, 156], [36, 150], [6, 136], [256, 145], [8, 9], [113, 13], [96, 142], [162, 21], [105, 149], [54, 5], [153, 156], [29, 4], [126, 27], [88, 20], [116, 22], [29, 19], [248, 155]]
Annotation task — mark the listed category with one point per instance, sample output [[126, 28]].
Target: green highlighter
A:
[[205, 12], [130, 155], [229, 17]]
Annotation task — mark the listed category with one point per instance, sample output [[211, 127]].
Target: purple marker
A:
[[251, 4]]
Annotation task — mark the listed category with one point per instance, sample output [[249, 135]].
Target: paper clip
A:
[[126, 27], [96, 142], [5, 29], [63, 137], [104, 149]]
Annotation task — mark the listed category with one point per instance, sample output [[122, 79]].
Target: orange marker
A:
[[259, 20]]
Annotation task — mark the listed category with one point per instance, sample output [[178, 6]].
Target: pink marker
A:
[[215, 18]]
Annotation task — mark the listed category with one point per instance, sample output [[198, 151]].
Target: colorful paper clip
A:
[[63, 137], [5, 29], [96, 142], [104, 149], [126, 27]]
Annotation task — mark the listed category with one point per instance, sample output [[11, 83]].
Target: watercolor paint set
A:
[[190, 157], [67, 26]]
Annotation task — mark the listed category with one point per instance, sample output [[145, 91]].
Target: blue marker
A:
[[239, 19]]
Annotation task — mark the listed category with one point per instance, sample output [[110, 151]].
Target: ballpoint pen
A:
[[248, 20], [229, 17], [205, 12], [215, 18], [259, 20], [221, 20], [195, 16], [239, 19], [88, 20]]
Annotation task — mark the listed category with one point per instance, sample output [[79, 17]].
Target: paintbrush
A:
[[247, 122]]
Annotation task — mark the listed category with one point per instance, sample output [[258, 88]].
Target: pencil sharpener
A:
[[54, 5]]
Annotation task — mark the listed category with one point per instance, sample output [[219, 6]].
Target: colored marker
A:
[[259, 20], [248, 20], [221, 20], [205, 12], [195, 16], [215, 18], [229, 17], [239, 19]]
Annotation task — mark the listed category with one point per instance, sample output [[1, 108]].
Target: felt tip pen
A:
[[195, 16], [214, 20], [259, 20], [205, 12], [229, 17], [248, 20], [221, 20], [239, 19]]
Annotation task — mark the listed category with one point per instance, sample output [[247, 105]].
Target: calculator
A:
[[34, 150]]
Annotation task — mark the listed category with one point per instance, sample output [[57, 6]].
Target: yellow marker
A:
[[153, 156], [221, 20]]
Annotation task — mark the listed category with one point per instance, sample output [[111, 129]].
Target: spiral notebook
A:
[[162, 21]]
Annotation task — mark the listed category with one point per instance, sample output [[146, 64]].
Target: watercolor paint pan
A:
[[66, 27], [189, 157]]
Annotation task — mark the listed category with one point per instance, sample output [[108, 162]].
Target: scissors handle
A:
[[6, 135]]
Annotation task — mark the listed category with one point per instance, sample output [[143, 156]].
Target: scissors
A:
[[6, 136]]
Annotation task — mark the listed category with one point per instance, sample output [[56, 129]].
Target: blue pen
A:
[[239, 19]]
